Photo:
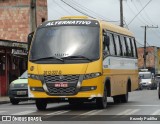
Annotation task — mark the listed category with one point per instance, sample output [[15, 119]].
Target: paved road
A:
[[144, 102]]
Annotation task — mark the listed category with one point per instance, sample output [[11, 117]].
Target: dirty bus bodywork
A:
[[66, 61]]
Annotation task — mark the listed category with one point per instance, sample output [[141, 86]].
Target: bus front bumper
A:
[[84, 92]]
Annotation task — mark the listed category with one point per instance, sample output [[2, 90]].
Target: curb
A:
[[4, 102]]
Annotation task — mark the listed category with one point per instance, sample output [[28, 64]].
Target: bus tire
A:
[[41, 104], [101, 102], [116, 99], [14, 101], [124, 98]]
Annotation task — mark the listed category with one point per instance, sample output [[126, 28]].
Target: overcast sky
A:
[[109, 10]]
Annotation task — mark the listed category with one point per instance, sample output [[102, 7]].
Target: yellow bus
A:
[[80, 59]]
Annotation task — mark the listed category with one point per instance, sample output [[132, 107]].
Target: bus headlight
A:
[[91, 75], [36, 77]]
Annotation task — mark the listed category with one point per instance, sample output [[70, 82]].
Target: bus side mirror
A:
[[30, 36]]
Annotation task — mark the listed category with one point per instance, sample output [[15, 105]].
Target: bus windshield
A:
[[145, 76], [66, 42]]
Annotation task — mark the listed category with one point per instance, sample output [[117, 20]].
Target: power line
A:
[[77, 9], [146, 12], [145, 36], [142, 21], [84, 13], [87, 10], [62, 7], [139, 12]]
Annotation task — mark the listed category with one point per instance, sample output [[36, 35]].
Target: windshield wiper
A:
[[78, 57], [51, 57]]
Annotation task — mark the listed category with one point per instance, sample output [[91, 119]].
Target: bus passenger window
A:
[[112, 49], [133, 52], [134, 48], [129, 52], [105, 47], [123, 46], [118, 45]]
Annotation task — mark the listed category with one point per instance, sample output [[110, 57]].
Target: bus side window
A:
[[124, 49], [118, 45], [133, 47], [106, 50], [129, 52], [112, 48]]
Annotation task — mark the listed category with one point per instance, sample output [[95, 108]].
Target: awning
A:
[[18, 48]]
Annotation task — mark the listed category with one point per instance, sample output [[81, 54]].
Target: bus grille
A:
[[72, 81], [68, 90], [61, 78]]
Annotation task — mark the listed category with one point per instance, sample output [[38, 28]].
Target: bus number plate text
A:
[[60, 84]]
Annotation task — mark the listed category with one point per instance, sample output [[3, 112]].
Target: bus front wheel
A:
[[102, 101], [41, 104]]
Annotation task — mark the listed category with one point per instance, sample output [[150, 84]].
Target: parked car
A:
[[18, 90], [157, 79]]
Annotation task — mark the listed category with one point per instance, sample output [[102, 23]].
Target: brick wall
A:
[[15, 18], [150, 58], [41, 11]]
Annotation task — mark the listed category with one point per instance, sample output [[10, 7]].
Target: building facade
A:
[[152, 59], [17, 19]]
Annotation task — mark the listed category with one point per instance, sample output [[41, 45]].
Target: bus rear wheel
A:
[[116, 99], [102, 101], [41, 104], [124, 98]]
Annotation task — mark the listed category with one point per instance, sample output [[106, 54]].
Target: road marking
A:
[[84, 115], [132, 112], [156, 112], [18, 108], [142, 105], [128, 112], [124, 112], [57, 113], [24, 112], [93, 112]]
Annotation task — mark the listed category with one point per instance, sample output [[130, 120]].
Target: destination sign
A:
[[71, 22]]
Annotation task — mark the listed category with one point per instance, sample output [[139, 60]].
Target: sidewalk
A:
[[4, 99]]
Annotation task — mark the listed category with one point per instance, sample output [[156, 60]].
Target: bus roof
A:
[[115, 28], [106, 25]]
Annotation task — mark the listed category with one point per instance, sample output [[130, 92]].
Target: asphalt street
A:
[[143, 103]]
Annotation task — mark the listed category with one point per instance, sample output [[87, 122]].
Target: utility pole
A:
[[145, 41], [33, 15], [121, 13]]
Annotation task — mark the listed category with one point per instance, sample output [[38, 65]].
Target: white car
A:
[[18, 90]]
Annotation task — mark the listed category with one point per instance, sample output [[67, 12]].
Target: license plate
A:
[[21, 92], [60, 84]]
